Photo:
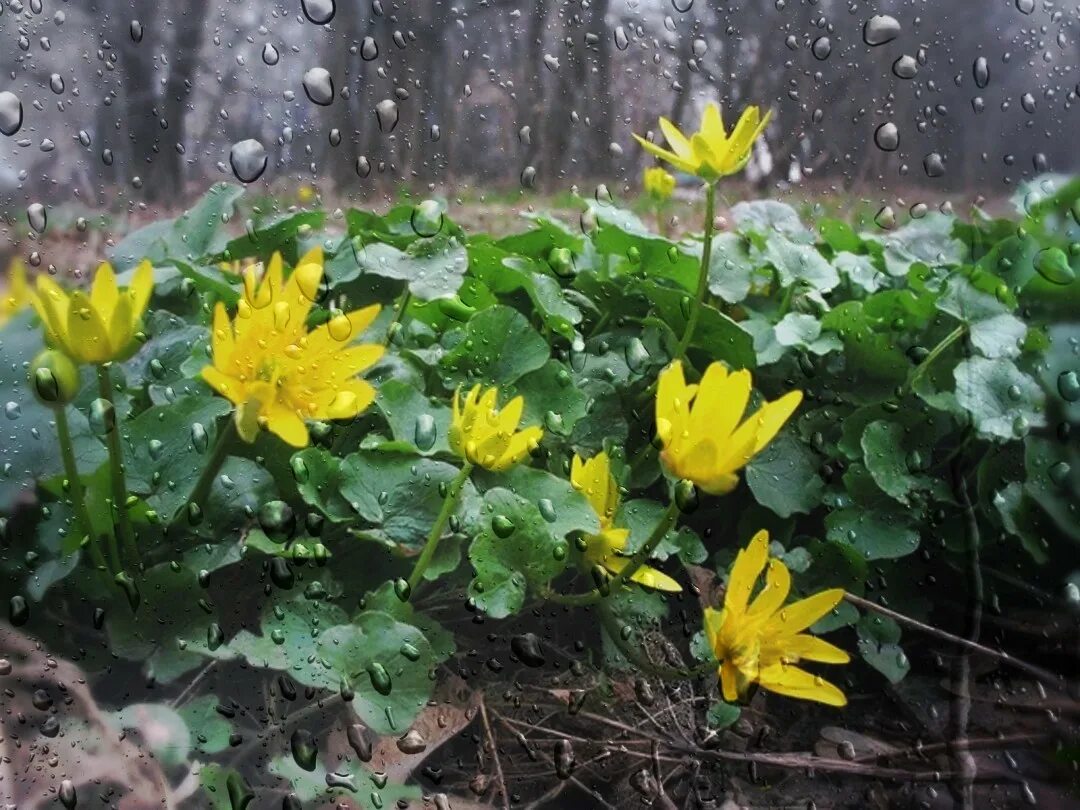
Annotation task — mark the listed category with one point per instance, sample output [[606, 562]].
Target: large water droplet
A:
[[386, 111], [682, 6], [319, 12], [1068, 385], [11, 113], [905, 67], [319, 87], [56, 83], [37, 217], [270, 54], [248, 160], [304, 749], [427, 218], [887, 137], [1025, 6], [424, 433], [879, 29], [981, 71], [821, 48], [369, 49], [934, 165]]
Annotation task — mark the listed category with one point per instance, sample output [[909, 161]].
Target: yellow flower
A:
[[18, 294], [699, 425], [710, 153], [276, 372], [483, 434], [305, 194], [658, 183], [761, 641], [607, 549], [98, 328]]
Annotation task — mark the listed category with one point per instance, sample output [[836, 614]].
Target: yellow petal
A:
[[729, 681], [744, 574], [720, 402], [286, 424], [510, 416], [712, 128], [521, 444], [678, 142], [689, 166], [798, 683], [232, 389], [797, 616], [772, 596], [120, 328], [813, 648], [142, 285], [657, 580], [221, 338], [87, 337], [773, 416], [104, 293], [714, 623], [350, 400]]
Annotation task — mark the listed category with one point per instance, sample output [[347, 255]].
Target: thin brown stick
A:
[[494, 754], [975, 744], [1034, 671]]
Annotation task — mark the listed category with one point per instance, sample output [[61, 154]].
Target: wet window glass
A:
[[539, 403]]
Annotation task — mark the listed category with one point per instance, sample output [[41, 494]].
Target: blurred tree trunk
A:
[[600, 99]]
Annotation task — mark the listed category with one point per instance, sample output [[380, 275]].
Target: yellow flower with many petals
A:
[[483, 434], [658, 183], [699, 425], [96, 328], [710, 153], [276, 372], [18, 294], [607, 548], [760, 641]]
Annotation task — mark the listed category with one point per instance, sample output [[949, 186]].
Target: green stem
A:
[[116, 471], [399, 314], [201, 491], [435, 535], [641, 556], [703, 274], [75, 488], [634, 654], [935, 353]]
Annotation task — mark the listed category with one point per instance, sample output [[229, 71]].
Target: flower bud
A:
[[55, 378]]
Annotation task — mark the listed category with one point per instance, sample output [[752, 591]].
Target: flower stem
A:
[[934, 354], [640, 557], [703, 274], [116, 471], [201, 490], [75, 488], [432, 542], [399, 315]]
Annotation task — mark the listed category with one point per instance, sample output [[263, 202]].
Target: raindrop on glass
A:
[[934, 165], [135, 29], [386, 111], [821, 48], [56, 83], [905, 67], [11, 113], [36, 216], [369, 50], [248, 160], [887, 137], [319, 87], [270, 54], [981, 71], [1025, 6], [319, 12], [682, 6], [879, 29]]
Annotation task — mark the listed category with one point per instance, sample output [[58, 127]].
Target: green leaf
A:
[[722, 715], [168, 631], [431, 268], [784, 477], [189, 237], [562, 507], [210, 731], [498, 348], [768, 218], [641, 516], [167, 447], [1004, 403], [879, 646], [414, 419], [929, 240], [875, 533], [279, 234], [509, 567], [1053, 481], [800, 263], [883, 445], [731, 269], [400, 496]]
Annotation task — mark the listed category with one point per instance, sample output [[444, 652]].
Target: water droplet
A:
[[363, 166], [380, 678], [686, 496], [318, 86], [240, 792], [56, 83], [427, 218], [102, 417], [359, 742], [248, 160], [386, 111], [934, 165], [1027, 101], [424, 433], [319, 12], [821, 48], [281, 574], [502, 526], [1068, 385], [369, 49], [526, 648], [1053, 265], [37, 217], [887, 137], [304, 749], [135, 31], [18, 611], [565, 761], [68, 797], [412, 743], [682, 6], [981, 71], [528, 177], [621, 41], [905, 67], [637, 356], [1025, 6], [880, 29], [270, 55]]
